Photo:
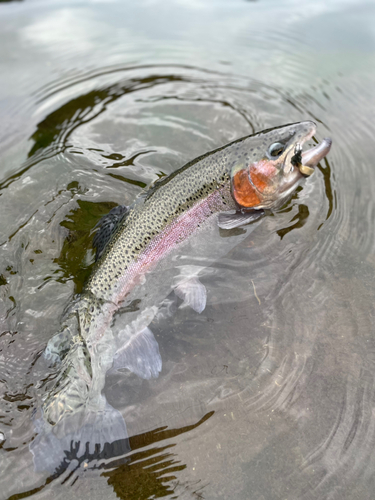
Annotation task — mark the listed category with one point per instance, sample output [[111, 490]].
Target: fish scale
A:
[[145, 252], [167, 202]]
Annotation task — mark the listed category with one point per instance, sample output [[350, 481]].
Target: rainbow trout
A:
[[159, 245]]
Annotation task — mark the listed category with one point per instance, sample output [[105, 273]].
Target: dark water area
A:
[[270, 392]]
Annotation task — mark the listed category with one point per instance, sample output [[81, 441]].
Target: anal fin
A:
[[140, 354]]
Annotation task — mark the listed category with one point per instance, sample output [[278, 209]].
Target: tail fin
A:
[[76, 423], [82, 436]]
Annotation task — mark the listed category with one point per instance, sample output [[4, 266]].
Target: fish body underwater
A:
[[161, 244]]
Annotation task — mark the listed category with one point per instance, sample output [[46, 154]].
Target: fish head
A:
[[275, 166]]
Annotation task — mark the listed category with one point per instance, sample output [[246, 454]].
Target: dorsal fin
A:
[[107, 227]]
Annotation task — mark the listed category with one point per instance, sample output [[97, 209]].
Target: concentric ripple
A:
[[276, 377]]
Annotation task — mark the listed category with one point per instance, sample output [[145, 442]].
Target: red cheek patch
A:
[[243, 191], [262, 176], [249, 193]]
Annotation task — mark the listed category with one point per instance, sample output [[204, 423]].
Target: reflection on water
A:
[[151, 472], [269, 393], [57, 127], [73, 262]]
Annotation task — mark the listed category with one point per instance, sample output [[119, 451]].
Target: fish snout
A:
[[311, 157]]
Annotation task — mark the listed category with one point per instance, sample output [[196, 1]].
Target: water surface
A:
[[270, 392]]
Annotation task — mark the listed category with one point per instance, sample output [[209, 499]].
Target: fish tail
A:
[[76, 422], [83, 437]]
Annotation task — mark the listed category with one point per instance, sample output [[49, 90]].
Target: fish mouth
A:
[[306, 161]]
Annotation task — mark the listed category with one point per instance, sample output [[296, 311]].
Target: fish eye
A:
[[275, 150]]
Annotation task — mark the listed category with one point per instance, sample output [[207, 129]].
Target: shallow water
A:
[[270, 392]]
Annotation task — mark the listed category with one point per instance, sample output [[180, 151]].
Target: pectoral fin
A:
[[193, 293], [228, 220]]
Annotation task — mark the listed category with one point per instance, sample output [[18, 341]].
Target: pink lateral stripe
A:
[[180, 229]]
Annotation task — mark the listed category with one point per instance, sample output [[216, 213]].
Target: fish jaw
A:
[[269, 180], [311, 158]]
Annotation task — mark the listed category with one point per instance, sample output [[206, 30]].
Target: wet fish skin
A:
[[228, 187], [209, 177]]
